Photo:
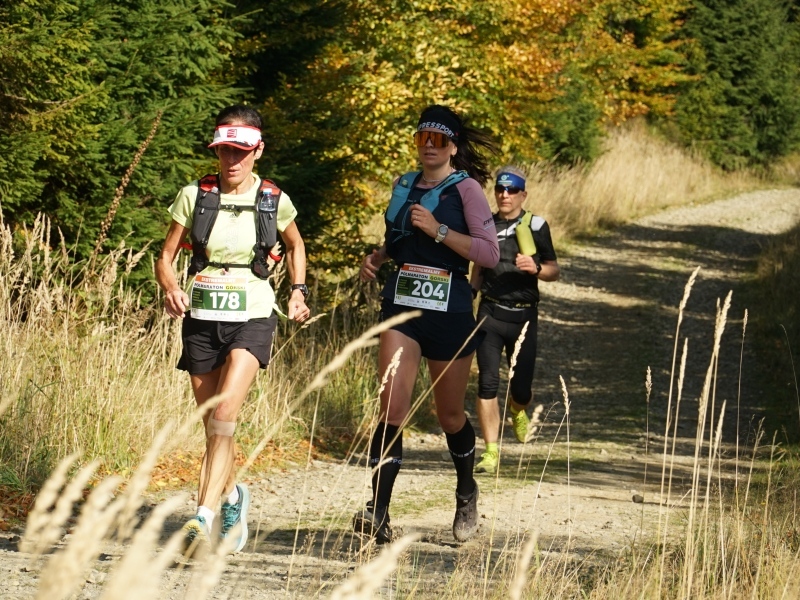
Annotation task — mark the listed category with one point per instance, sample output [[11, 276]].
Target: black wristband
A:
[[537, 262], [303, 289], [474, 293]]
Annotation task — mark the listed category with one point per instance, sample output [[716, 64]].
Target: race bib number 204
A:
[[219, 298], [423, 287]]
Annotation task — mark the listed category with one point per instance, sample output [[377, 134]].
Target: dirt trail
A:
[[611, 316]]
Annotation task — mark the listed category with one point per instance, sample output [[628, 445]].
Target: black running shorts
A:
[[439, 334], [206, 344]]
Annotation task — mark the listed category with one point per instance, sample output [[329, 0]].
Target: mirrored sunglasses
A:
[[499, 189], [437, 139]]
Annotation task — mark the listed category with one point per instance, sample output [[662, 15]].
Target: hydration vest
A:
[[402, 245], [429, 200], [505, 281], [207, 207]]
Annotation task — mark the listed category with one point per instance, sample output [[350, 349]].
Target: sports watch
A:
[[441, 232], [303, 289]]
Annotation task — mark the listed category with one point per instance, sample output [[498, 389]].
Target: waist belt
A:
[[509, 303]]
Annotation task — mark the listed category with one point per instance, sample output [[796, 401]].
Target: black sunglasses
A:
[[499, 189]]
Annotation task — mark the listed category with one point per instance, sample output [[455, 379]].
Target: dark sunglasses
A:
[[437, 139], [499, 189]]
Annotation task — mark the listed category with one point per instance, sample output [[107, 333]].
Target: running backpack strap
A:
[[400, 194], [430, 199], [206, 209], [267, 200]]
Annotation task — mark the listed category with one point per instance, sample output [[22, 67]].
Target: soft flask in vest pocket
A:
[[525, 236], [267, 208]]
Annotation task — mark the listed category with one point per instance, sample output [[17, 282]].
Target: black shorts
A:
[[439, 334], [206, 344]]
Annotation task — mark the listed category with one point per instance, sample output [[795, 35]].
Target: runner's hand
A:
[[422, 219], [175, 303], [298, 311], [370, 265], [527, 264]]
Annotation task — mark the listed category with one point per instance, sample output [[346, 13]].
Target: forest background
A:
[[341, 82], [97, 97]]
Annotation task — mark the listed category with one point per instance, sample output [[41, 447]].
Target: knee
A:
[[221, 428], [394, 410], [521, 393], [452, 420], [487, 390]]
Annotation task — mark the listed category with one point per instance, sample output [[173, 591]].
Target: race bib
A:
[[219, 298], [423, 287]]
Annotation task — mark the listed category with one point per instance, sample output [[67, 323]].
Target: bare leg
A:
[[489, 418], [515, 408], [449, 392], [233, 380], [396, 395], [449, 396], [387, 440]]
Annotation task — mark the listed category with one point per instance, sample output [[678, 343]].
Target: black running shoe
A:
[[373, 521], [465, 523]]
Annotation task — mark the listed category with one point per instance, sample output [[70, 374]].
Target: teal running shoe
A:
[[233, 515]]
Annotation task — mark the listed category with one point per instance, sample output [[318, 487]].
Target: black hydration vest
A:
[[207, 207]]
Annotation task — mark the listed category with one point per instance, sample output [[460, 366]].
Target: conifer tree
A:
[[743, 107], [82, 83]]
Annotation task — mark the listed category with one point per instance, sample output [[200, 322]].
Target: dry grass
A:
[[637, 174], [732, 543]]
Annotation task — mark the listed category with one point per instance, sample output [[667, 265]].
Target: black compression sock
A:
[[383, 478], [462, 450]]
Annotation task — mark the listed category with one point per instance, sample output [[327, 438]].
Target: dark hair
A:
[[469, 158], [239, 114]]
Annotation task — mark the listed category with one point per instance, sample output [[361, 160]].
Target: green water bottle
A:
[[525, 236]]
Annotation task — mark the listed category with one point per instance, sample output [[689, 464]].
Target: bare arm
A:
[[176, 301], [550, 271], [422, 219], [296, 264]]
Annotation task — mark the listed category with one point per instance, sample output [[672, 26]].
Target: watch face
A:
[[443, 229]]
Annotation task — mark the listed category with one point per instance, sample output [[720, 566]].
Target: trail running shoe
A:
[[465, 523], [374, 522], [234, 514], [195, 535], [521, 422], [490, 462]]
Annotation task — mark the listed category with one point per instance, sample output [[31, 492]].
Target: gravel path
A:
[[610, 317]]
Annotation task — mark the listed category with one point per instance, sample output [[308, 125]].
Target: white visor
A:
[[239, 136]]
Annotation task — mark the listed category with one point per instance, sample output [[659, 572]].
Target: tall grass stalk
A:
[[739, 401], [112, 210], [692, 551], [512, 366], [791, 359]]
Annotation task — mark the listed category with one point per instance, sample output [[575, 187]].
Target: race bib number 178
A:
[[423, 287], [219, 298]]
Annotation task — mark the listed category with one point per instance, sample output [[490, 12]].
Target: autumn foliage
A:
[[341, 82]]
